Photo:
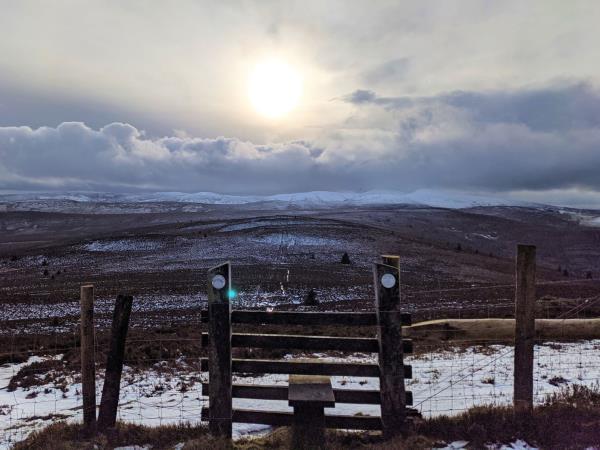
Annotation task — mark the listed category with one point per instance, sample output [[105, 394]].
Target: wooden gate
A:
[[386, 322]]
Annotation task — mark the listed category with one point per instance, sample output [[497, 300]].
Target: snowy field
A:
[[444, 382]]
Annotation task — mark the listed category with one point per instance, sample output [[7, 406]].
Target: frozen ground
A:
[[444, 382]]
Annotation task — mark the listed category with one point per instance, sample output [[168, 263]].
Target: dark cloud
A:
[[526, 140], [361, 96], [559, 107]]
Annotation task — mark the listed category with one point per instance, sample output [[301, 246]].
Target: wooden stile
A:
[[219, 362], [387, 321], [524, 327], [88, 363], [107, 417]]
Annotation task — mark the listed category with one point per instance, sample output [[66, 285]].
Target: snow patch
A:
[[295, 240], [123, 245]]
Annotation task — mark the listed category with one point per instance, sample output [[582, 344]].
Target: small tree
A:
[[588, 275], [311, 298], [458, 248], [345, 258], [565, 273]]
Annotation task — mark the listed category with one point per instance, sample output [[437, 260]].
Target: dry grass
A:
[[62, 436], [568, 420]]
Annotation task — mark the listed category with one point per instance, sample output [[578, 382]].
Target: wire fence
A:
[[162, 380]]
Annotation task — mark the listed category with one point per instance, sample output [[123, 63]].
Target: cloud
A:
[[392, 70], [527, 140]]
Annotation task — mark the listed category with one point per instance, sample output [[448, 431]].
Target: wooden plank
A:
[[315, 343], [310, 389], [219, 350], [88, 363], [304, 367], [286, 419], [305, 318], [389, 331], [107, 417], [524, 327], [275, 392]]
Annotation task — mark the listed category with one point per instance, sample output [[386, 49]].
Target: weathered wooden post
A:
[[389, 333], [524, 327], [88, 363], [219, 350], [107, 418]]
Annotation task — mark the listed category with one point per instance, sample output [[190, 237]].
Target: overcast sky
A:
[[479, 96]]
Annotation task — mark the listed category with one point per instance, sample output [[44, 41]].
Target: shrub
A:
[[345, 258], [311, 298]]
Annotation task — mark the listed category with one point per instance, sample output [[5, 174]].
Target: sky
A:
[[478, 96]]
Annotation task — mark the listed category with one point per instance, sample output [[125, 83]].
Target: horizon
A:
[[427, 197]]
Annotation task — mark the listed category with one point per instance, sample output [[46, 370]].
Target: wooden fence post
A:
[[524, 327], [219, 350], [389, 333], [88, 363], [107, 418]]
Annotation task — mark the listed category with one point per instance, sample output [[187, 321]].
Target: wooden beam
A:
[[109, 405], [219, 350], [305, 318], [524, 327], [88, 362], [314, 343], [286, 419], [275, 392], [312, 367], [389, 331]]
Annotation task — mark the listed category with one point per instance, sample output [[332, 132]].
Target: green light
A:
[[231, 293]]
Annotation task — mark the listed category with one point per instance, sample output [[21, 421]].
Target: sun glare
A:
[[274, 89]]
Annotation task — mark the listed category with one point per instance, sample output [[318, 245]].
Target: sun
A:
[[274, 88]]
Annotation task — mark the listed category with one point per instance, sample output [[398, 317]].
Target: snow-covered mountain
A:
[[442, 199]]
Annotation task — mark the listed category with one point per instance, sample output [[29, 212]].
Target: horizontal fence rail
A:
[[313, 343], [305, 318], [372, 423], [262, 366], [266, 392]]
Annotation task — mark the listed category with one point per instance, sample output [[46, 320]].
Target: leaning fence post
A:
[[219, 350], [524, 327], [107, 418], [88, 363], [389, 333]]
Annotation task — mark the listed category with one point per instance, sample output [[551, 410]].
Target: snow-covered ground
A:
[[122, 245], [444, 382]]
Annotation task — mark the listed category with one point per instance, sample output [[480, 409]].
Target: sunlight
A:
[[274, 88]]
